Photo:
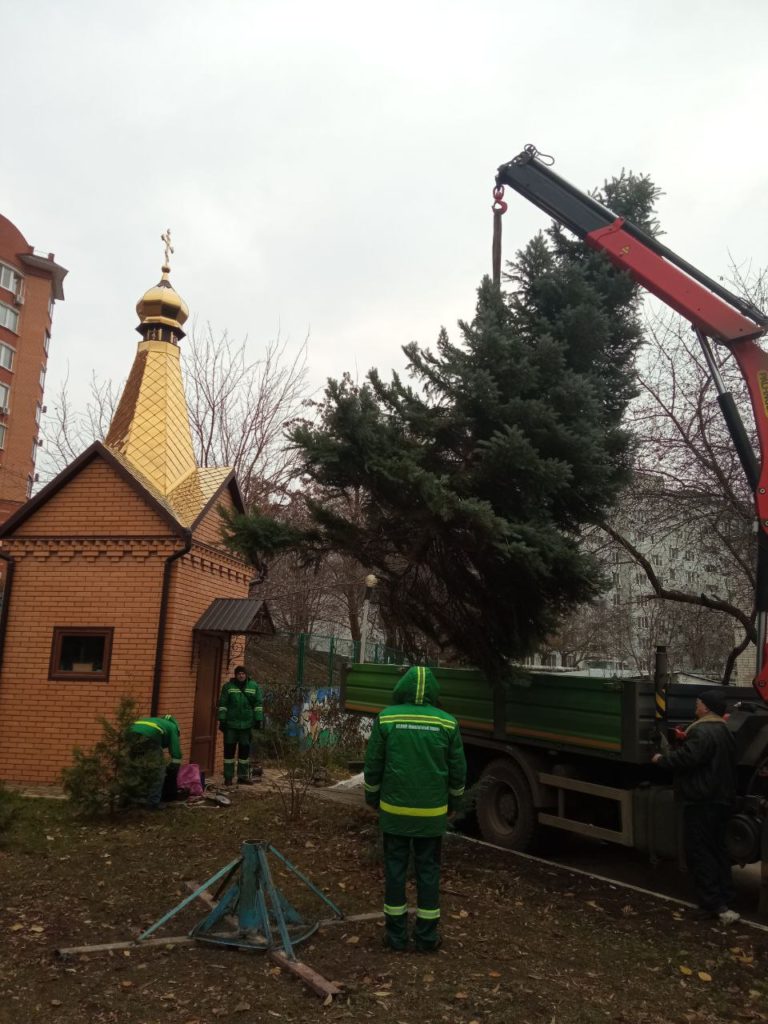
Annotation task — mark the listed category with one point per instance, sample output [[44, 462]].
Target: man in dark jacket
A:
[[704, 769], [414, 776], [240, 710]]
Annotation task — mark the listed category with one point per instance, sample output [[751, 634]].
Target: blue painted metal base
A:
[[265, 918]]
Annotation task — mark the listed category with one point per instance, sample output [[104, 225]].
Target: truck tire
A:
[[505, 810]]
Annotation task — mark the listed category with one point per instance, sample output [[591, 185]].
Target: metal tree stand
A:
[[252, 914]]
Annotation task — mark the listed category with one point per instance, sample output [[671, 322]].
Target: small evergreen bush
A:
[[107, 779]]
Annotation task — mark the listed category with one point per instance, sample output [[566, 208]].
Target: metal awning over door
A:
[[236, 615], [226, 617]]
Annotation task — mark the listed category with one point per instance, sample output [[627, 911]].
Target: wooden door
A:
[[204, 722]]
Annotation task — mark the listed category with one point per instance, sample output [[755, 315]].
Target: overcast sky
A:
[[326, 168]]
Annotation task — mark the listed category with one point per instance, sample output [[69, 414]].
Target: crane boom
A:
[[713, 311], [704, 302]]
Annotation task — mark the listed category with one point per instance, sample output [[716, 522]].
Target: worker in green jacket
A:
[[241, 709], [149, 738], [414, 776]]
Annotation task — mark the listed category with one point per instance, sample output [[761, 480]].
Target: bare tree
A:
[[702, 493], [626, 631], [593, 631], [68, 431], [325, 595], [238, 409]]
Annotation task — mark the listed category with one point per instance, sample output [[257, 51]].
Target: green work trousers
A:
[[149, 750], [237, 741], [426, 861]]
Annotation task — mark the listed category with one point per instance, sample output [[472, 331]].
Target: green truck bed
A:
[[612, 718]]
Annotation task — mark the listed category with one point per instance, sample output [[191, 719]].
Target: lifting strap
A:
[[499, 209]]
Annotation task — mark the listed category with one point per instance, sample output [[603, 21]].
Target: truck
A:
[[571, 752], [575, 756]]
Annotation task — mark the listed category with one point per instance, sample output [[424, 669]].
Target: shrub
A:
[[279, 740], [108, 778], [305, 748]]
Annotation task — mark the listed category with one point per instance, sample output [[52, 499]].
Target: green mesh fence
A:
[[314, 659]]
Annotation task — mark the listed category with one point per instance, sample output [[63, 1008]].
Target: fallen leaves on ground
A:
[[502, 921]]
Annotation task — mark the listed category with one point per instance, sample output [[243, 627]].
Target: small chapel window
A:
[[81, 652]]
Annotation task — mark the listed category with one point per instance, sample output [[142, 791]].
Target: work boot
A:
[[245, 782], [422, 947], [703, 914]]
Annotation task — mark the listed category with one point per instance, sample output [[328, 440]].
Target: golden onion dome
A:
[[162, 306]]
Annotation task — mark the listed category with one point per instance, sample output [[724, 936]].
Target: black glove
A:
[[221, 727], [258, 725]]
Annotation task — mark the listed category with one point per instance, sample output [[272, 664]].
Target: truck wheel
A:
[[505, 810]]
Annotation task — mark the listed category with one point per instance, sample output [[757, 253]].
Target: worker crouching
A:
[[415, 773], [149, 738]]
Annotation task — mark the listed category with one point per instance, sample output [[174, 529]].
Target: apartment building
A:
[[692, 546], [30, 283]]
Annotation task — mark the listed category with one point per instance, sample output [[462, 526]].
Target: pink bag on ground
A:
[[189, 778]]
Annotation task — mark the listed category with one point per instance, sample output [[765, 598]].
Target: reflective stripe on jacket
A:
[[164, 731], [414, 764], [241, 706]]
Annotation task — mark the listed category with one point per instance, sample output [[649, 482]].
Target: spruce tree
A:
[[109, 777], [480, 475]]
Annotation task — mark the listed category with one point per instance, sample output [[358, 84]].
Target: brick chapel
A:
[[118, 579]]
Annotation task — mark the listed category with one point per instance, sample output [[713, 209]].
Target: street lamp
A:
[[370, 583]]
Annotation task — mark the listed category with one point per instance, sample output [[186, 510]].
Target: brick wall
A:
[[96, 501], [199, 577], [89, 578], [94, 555], [209, 530]]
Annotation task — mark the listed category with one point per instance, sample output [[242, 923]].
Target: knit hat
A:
[[714, 700], [240, 668]]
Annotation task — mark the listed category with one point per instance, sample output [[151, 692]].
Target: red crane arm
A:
[[714, 317], [712, 310]]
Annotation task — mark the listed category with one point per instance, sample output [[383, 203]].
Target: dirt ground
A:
[[523, 943]]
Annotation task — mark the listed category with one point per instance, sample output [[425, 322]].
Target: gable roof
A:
[[96, 451], [182, 510], [231, 484], [192, 497]]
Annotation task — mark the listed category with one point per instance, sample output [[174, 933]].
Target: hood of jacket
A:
[[417, 686]]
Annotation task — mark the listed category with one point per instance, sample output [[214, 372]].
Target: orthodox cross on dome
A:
[[166, 239]]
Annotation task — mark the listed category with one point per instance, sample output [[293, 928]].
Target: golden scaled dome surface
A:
[[162, 304]]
